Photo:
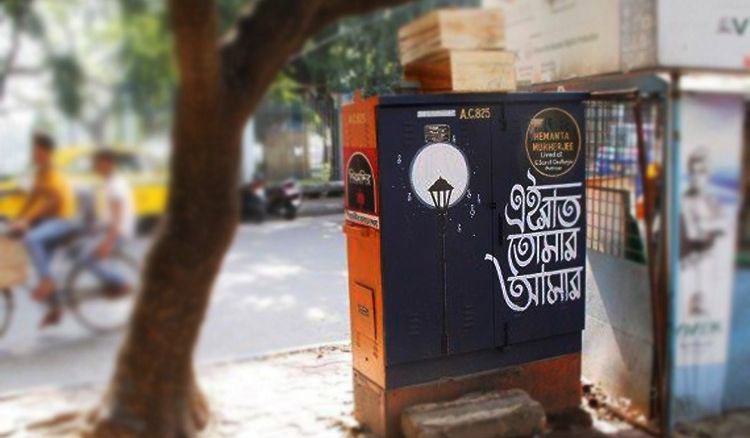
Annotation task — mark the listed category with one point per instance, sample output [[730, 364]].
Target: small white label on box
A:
[[436, 113]]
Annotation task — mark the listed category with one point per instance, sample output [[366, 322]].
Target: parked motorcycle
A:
[[285, 199], [253, 202], [258, 200]]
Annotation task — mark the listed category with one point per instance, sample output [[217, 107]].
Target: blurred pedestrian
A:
[[47, 216], [114, 224]]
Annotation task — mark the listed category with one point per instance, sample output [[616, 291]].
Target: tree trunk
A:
[[153, 392]]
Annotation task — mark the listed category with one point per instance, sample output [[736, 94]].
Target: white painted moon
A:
[[439, 160]]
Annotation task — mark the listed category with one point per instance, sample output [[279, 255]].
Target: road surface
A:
[[283, 285]]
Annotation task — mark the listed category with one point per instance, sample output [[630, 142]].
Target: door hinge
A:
[[502, 120], [504, 337], [500, 226]]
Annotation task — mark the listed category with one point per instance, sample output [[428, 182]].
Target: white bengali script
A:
[[545, 218], [360, 177]]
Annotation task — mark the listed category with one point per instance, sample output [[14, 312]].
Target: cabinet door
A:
[[468, 238], [427, 256], [539, 224]]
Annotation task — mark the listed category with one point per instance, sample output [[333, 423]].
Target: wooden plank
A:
[[465, 70], [432, 74], [483, 71], [467, 29]]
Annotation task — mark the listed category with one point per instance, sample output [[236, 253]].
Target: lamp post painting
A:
[[437, 161], [440, 178], [441, 191]]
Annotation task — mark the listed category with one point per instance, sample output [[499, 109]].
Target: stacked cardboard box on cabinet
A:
[[458, 50], [561, 40]]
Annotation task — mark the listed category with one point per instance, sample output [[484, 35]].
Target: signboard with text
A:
[[360, 162]]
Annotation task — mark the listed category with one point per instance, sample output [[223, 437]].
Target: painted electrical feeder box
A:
[[465, 224]]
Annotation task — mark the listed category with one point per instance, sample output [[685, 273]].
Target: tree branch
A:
[[26, 70], [334, 9], [266, 37], [15, 46]]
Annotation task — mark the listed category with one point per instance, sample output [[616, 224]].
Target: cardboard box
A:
[[563, 39], [465, 70], [13, 263], [467, 29]]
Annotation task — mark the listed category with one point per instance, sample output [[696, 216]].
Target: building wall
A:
[[286, 154], [737, 387]]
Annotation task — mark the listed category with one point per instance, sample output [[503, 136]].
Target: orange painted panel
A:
[[366, 301], [359, 126]]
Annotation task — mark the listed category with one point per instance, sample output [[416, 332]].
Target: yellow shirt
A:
[[48, 183]]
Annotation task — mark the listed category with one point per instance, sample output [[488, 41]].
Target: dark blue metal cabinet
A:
[[539, 223], [411, 243], [451, 261]]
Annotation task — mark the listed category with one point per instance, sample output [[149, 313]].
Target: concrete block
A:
[[501, 414]]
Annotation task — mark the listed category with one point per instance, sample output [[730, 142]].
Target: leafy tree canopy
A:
[[360, 52], [356, 53]]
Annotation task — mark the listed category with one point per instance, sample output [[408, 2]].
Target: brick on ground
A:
[[501, 414]]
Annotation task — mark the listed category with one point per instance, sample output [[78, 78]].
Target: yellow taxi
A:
[[146, 174]]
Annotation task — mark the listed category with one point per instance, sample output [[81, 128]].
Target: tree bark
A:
[[153, 391]]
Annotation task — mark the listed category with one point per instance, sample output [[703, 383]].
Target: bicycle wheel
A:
[[6, 310], [89, 302]]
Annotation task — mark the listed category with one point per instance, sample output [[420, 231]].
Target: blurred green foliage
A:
[[67, 80], [149, 74], [21, 21], [21, 14], [359, 53], [356, 53]]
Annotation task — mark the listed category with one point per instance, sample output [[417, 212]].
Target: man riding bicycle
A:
[[115, 221], [47, 215]]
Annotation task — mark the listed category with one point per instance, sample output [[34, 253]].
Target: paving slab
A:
[[301, 393]]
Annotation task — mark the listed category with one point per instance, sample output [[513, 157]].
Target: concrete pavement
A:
[[303, 393]]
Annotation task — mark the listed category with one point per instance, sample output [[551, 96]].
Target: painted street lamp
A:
[[439, 176], [441, 192]]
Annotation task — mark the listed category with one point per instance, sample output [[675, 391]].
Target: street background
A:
[[667, 201], [283, 285]]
